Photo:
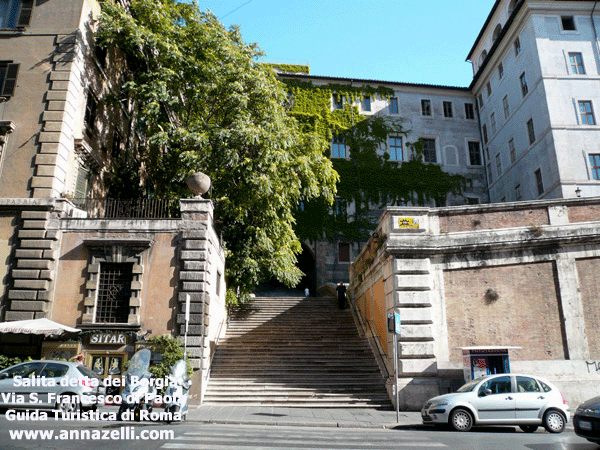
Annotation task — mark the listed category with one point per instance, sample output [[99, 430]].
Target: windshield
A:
[[469, 386], [139, 363]]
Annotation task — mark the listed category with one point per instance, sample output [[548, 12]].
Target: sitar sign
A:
[[108, 338]]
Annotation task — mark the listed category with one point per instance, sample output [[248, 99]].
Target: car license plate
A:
[[585, 425]]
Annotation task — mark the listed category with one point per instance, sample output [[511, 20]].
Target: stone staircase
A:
[[295, 351]]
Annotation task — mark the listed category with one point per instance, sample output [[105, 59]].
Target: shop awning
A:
[[36, 326]]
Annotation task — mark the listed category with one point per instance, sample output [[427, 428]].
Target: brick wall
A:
[[493, 219], [589, 283], [526, 314], [583, 213]]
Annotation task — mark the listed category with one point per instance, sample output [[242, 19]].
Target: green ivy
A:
[[291, 68], [367, 178]]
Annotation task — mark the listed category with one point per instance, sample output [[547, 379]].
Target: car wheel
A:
[[67, 403], [528, 428], [461, 420], [554, 422]]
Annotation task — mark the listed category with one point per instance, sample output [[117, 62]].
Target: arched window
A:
[[497, 31], [482, 57]]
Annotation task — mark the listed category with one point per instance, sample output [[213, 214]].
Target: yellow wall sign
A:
[[408, 222]]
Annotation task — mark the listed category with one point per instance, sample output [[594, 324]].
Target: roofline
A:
[[487, 22], [395, 83]]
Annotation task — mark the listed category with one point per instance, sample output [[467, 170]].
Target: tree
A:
[[203, 103]]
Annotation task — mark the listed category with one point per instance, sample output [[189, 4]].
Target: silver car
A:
[[502, 399], [62, 385]]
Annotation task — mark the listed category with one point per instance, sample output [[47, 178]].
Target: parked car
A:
[[586, 420], [501, 399], [62, 385]]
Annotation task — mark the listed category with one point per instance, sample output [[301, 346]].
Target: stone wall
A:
[[518, 275]]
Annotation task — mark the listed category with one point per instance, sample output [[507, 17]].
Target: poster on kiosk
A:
[[481, 361]]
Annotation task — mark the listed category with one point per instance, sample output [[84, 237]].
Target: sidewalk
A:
[[309, 417]]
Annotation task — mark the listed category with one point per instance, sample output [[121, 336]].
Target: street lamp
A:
[[578, 191]]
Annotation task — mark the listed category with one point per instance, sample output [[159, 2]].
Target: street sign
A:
[[397, 324]]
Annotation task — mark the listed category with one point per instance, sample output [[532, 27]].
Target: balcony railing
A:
[[135, 208]]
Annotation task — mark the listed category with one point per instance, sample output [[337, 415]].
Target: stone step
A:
[[295, 352]]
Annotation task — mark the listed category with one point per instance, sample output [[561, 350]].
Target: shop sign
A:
[[108, 338]]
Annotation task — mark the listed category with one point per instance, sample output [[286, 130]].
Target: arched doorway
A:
[[306, 263]]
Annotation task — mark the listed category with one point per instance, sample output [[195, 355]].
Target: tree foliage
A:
[[203, 103]]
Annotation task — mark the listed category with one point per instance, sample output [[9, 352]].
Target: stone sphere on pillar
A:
[[199, 183]]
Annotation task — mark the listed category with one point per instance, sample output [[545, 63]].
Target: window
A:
[[526, 384], [489, 172], [512, 151], [90, 113], [518, 193], [488, 87], [517, 46], [469, 111], [576, 61], [523, 81], [367, 103], [539, 182], [338, 146], [338, 101], [530, 131], [81, 184], [344, 252], [493, 122], [485, 135], [595, 166], [506, 107], [429, 153], [500, 71], [480, 98], [15, 13], [568, 23], [393, 105], [8, 78], [114, 292], [498, 164], [586, 113], [426, 107], [447, 109], [340, 207], [475, 154], [396, 148]]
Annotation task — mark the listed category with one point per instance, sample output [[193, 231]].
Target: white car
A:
[[49, 384], [501, 399]]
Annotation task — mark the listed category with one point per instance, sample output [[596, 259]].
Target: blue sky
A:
[[391, 40]]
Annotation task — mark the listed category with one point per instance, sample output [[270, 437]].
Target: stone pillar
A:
[[195, 255], [572, 308], [32, 289]]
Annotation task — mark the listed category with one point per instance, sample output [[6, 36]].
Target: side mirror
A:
[[3, 376], [485, 392]]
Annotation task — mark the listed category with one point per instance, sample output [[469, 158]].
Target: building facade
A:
[[536, 70], [119, 271]]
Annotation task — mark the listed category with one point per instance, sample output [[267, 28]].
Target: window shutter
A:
[[25, 15], [10, 81]]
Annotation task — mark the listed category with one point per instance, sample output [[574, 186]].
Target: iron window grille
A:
[[114, 292]]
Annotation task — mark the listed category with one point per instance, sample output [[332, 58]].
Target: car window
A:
[[26, 370], [545, 387], [55, 370], [526, 384], [468, 386], [86, 371], [500, 385]]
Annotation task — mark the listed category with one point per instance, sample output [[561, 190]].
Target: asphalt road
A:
[[108, 435]]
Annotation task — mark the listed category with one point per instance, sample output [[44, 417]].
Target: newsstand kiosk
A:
[[481, 361]]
